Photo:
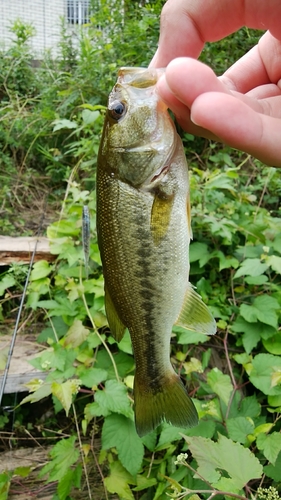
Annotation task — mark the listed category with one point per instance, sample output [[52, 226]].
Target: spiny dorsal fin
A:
[[195, 315]]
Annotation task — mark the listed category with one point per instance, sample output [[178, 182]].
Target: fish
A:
[[86, 237], [144, 231]]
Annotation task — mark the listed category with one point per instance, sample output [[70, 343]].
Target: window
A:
[[78, 11]]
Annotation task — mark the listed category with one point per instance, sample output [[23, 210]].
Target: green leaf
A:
[[250, 407], [6, 282], [65, 392], [76, 334], [118, 481], [91, 377], [89, 116], [275, 263], [40, 390], [264, 367], [273, 344], [256, 280], [5, 482], [40, 270], [71, 478], [249, 313], [114, 398], [119, 432], [144, 482], [263, 309], [239, 428], [251, 267], [63, 455], [63, 123], [227, 261], [273, 471], [149, 440], [270, 444], [189, 337], [220, 384], [240, 464], [198, 251]]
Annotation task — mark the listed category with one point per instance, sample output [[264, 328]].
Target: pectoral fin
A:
[[195, 315], [116, 326]]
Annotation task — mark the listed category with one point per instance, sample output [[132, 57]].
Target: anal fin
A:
[[116, 326], [195, 315]]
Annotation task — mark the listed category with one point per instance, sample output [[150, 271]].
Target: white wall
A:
[[44, 15]]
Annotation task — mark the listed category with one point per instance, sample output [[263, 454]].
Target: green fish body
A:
[[143, 223]]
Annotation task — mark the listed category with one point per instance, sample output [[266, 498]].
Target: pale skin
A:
[[241, 108]]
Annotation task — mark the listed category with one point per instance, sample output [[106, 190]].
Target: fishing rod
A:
[[13, 340]]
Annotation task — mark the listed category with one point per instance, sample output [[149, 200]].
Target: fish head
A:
[[139, 136]]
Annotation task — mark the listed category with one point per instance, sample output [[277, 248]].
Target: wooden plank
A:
[[20, 249], [20, 371]]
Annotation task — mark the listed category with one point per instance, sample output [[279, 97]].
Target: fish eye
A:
[[117, 110]]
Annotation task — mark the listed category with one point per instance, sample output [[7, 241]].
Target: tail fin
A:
[[170, 403]]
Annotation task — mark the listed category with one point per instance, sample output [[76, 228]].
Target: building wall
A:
[[45, 16]]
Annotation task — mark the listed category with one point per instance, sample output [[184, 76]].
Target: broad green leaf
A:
[[114, 398], [263, 309], [189, 337], [63, 123], [118, 481], [256, 280], [76, 334], [274, 400], [250, 407], [144, 482], [5, 481], [125, 344], [6, 282], [119, 432], [40, 270], [168, 435], [264, 367], [239, 428], [65, 392], [198, 251], [89, 116], [240, 464], [40, 390], [149, 440], [275, 263], [71, 478], [124, 362], [270, 444], [91, 377], [227, 261], [251, 267], [273, 471], [273, 344], [95, 410], [220, 384], [63, 455], [249, 313]]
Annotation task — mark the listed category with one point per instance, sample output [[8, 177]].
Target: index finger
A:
[[186, 25]]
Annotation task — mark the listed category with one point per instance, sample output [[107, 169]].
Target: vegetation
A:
[[50, 125]]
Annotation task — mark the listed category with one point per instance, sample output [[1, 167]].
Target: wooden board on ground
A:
[[20, 371], [21, 249]]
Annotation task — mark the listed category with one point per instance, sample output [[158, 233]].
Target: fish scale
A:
[[143, 225]]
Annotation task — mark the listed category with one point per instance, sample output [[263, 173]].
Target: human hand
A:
[[242, 107]]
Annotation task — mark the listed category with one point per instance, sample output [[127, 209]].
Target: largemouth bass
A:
[[143, 223]]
